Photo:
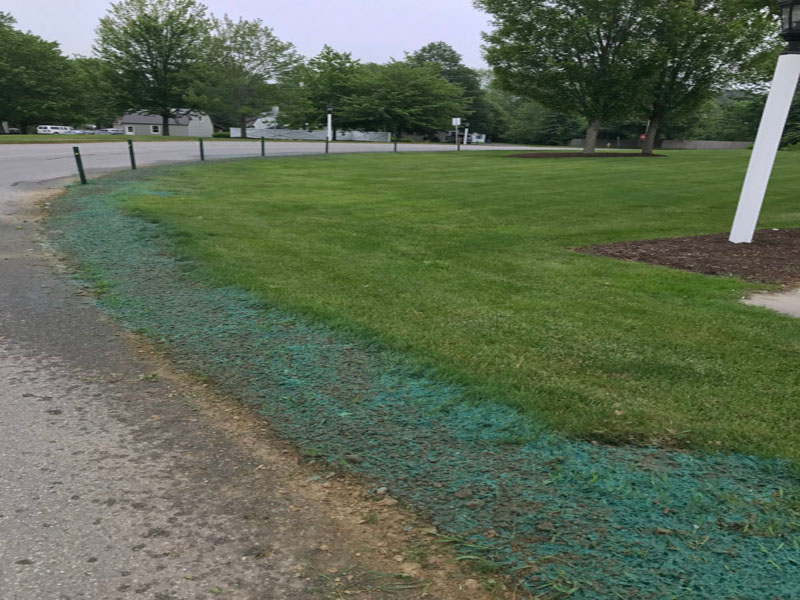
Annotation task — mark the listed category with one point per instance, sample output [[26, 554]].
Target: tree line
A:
[[171, 57], [606, 61], [558, 68]]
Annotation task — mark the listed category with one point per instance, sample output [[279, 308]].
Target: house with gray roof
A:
[[190, 124]]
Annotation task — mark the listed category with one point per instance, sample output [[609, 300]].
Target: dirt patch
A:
[[773, 257], [582, 155]]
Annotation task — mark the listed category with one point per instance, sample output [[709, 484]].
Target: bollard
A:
[[202, 150], [133, 156], [262, 147], [76, 151], [327, 142]]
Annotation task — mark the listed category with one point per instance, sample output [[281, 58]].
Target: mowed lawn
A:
[[464, 261]]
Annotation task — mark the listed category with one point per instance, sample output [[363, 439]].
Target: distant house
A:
[[192, 125], [268, 120]]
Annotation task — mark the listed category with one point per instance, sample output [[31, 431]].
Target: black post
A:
[[202, 150], [79, 162], [262, 147], [327, 142], [133, 156], [395, 142]]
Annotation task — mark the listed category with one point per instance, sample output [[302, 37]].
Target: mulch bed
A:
[[582, 155], [773, 257]]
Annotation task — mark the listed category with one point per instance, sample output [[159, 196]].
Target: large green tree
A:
[[482, 114], [699, 48], [94, 96], [324, 81], [245, 61], [580, 56], [154, 50], [402, 98], [35, 82]]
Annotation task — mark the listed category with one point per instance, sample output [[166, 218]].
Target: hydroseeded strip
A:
[[564, 516]]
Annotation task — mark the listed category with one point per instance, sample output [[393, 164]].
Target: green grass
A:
[[464, 261]]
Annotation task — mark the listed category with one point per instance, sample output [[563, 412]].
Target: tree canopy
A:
[[245, 60], [480, 111], [154, 51], [611, 60], [699, 48], [402, 98], [35, 82], [580, 56]]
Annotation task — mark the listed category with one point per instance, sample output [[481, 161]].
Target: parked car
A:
[[15, 130], [110, 131], [54, 130]]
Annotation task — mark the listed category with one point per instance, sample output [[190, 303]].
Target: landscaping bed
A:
[[598, 154], [773, 257]]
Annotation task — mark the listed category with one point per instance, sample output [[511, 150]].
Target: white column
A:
[[330, 127], [765, 148], [466, 136]]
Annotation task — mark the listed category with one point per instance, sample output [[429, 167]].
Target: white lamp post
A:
[[770, 131]]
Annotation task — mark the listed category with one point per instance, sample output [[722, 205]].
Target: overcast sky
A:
[[373, 30]]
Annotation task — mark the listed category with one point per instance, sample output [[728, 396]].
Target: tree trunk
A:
[[164, 124], [243, 128], [592, 131], [652, 135]]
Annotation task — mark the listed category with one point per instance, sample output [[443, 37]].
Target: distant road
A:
[[37, 162]]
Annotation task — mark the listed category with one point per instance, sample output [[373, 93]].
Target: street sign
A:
[[456, 121], [643, 137]]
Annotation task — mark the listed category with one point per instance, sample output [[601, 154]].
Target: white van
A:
[[53, 129]]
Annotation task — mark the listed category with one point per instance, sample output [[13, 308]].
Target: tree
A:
[[35, 83], [154, 50], [96, 102], [245, 60], [324, 81], [480, 111], [402, 98], [699, 48], [525, 121], [580, 56]]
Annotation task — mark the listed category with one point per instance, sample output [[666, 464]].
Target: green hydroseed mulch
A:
[[567, 517]]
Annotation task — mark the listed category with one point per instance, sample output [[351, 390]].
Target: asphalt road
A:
[[120, 478], [36, 162]]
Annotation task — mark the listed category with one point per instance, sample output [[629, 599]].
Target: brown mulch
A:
[[773, 257], [582, 155]]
